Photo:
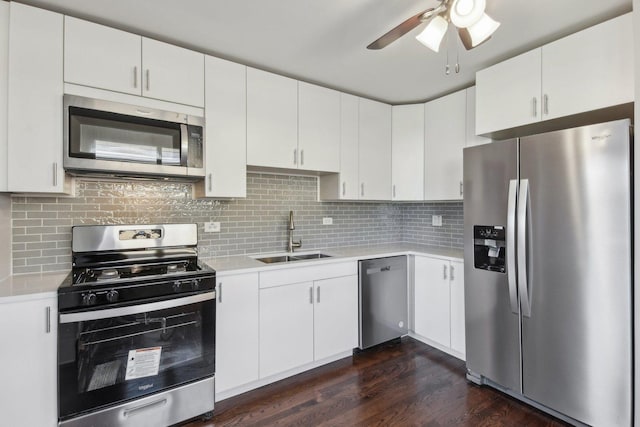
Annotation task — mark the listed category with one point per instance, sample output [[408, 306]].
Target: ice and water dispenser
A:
[[489, 247]]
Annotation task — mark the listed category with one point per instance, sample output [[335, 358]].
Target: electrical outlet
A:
[[436, 220], [327, 221], [211, 227]]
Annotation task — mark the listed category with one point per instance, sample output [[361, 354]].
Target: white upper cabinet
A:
[[4, 85], [374, 150], [318, 128], [226, 130], [272, 120], [586, 71], [172, 73], [589, 70], [407, 142], [473, 139], [35, 101], [102, 57], [508, 93], [115, 60], [348, 177], [445, 136]]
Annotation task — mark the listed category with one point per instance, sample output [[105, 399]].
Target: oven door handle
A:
[[135, 309]]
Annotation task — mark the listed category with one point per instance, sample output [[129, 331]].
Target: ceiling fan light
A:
[[433, 33], [464, 13], [479, 32]]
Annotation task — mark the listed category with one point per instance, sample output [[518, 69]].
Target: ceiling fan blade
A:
[[402, 29]]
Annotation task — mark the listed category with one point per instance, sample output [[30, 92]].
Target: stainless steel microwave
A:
[[125, 140]]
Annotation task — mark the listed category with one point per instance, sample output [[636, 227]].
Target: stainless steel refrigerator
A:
[[548, 270]]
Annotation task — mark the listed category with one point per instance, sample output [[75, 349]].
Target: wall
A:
[[41, 226]]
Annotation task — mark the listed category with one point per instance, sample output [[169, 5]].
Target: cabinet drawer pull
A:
[[220, 292], [444, 272], [534, 103], [461, 188], [344, 188], [301, 157], [545, 104], [394, 191], [451, 272], [311, 295], [318, 294], [295, 156], [210, 182], [55, 174], [362, 189], [135, 77], [48, 320], [148, 83]]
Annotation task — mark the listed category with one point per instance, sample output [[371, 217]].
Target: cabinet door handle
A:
[[461, 188], [534, 103], [148, 84], [301, 157], [344, 188], [444, 272], [220, 292], [311, 295], [451, 273], [135, 77], [48, 319], [362, 189], [55, 174], [295, 156], [394, 191], [318, 294], [210, 182], [545, 104]]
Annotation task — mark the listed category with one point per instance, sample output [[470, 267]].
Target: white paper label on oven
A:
[[143, 362]]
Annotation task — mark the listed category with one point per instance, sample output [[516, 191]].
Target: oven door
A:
[[113, 355]]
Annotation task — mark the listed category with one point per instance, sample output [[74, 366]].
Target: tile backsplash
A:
[[41, 226]]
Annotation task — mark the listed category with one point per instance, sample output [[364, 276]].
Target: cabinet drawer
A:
[[287, 276]]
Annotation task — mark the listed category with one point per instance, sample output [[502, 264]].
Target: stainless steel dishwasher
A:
[[383, 299]]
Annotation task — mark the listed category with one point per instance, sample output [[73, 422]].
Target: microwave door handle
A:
[[135, 309], [184, 144]]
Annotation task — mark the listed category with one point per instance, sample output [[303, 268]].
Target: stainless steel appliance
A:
[[136, 342], [548, 271], [383, 300], [120, 139]]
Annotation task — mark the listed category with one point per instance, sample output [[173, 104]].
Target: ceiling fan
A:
[[468, 16]]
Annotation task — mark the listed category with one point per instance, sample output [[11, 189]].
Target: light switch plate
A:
[[327, 221], [436, 220], [211, 227]]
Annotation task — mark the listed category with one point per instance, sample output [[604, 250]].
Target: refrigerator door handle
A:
[[511, 245], [523, 285]]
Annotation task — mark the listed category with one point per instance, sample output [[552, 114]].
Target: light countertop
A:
[[248, 263], [30, 286]]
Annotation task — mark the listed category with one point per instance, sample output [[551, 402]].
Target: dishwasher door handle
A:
[[378, 270]]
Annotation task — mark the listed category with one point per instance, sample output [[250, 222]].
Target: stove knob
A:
[[195, 284], [112, 296], [89, 299], [177, 286]]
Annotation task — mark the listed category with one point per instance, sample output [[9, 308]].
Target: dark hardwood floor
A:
[[406, 383]]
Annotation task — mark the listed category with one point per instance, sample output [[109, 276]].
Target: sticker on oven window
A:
[[143, 362]]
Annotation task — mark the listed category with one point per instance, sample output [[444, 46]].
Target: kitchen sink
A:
[[291, 258]]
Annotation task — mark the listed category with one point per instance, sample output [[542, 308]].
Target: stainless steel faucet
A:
[[291, 245]]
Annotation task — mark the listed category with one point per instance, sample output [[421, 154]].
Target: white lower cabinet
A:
[[236, 331], [28, 390], [335, 316], [286, 327], [439, 302], [312, 319]]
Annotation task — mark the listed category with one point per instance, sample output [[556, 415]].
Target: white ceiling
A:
[[325, 41]]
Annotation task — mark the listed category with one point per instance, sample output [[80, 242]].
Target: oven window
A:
[[116, 137], [110, 360]]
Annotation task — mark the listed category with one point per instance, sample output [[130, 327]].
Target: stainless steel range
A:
[[136, 342]]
